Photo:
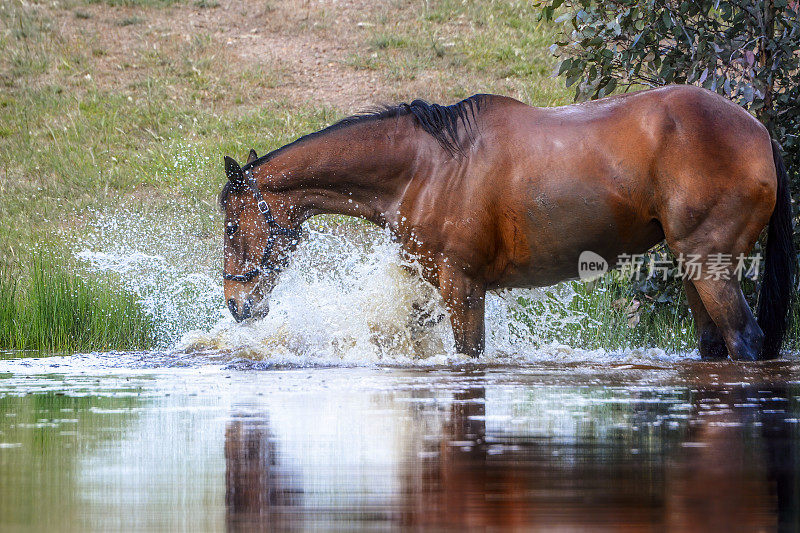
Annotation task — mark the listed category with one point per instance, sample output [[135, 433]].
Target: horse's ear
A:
[[252, 156], [233, 170]]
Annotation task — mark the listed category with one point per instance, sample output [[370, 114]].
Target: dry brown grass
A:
[[343, 55]]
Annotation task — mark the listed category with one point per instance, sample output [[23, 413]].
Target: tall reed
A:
[[616, 319], [51, 308]]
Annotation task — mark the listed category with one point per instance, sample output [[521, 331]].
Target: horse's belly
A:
[[559, 232]]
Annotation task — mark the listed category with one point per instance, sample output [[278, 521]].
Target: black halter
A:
[[275, 229]]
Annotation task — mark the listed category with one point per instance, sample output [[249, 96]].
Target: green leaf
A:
[[561, 18], [571, 79], [746, 90], [607, 87]]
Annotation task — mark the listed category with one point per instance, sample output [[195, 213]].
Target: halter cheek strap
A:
[[275, 229]]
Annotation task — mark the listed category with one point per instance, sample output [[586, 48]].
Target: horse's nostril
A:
[[246, 308], [246, 312], [234, 309]]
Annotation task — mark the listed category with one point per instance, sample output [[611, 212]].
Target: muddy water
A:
[[165, 442]]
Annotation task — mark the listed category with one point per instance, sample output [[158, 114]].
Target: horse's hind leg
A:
[[725, 304], [712, 223], [711, 251], [707, 262], [710, 342]]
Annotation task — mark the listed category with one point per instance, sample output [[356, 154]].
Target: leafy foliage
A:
[[747, 50]]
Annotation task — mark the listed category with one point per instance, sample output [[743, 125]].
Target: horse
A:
[[492, 193]]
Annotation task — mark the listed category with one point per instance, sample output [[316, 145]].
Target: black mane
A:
[[443, 123]]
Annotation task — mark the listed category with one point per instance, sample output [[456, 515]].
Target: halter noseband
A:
[[275, 229]]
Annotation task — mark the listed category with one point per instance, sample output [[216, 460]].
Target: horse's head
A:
[[258, 240]]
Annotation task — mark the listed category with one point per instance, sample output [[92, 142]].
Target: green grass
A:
[[618, 320], [464, 47], [792, 339], [130, 21], [136, 3], [67, 142], [387, 40], [601, 314], [53, 309]]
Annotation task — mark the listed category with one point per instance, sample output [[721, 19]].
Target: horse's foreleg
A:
[[465, 300]]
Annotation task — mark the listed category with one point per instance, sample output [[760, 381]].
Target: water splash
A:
[[168, 266], [174, 298], [340, 299], [346, 298]]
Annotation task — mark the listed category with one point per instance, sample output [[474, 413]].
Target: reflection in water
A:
[[711, 472], [685, 460], [369, 448], [782, 451], [740, 468], [43, 438], [256, 490]]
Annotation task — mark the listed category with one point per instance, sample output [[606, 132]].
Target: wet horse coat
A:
[[492, 193]]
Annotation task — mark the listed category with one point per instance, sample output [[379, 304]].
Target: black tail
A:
[[780, 266]]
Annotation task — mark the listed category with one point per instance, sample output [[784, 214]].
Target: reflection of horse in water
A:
[[728, 476], [257, 491], [723, 480], [719, 470], [459, 485]]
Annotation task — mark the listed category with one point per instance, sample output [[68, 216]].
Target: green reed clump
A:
[[615, 315], [607, 314], [51, 308], [792, 339], [8, 307], [618, 317]]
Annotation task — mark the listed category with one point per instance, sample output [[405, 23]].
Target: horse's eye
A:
[[231, 228]]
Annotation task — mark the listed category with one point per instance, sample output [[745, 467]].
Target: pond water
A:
[[166, 441], [341, 410]]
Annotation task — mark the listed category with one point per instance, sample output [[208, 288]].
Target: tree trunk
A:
[[767, 114]]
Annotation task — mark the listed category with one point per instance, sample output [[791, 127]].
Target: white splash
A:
[[347, 298], [168, 266]]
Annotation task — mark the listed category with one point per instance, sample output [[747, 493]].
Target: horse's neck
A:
[[356, 171]]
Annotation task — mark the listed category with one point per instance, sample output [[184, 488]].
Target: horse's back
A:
[[654, 142]]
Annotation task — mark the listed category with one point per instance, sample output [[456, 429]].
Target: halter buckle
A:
[[263, 207]]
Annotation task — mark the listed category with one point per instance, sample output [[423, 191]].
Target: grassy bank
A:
[[50, 308], [109, 102]]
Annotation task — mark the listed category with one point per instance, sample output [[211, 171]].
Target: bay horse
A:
[[490, 193]]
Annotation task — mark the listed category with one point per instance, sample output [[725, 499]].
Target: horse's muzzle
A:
[[246, 311]]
